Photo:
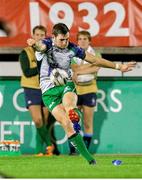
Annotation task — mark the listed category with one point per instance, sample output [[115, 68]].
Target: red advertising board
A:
[[111, 23]]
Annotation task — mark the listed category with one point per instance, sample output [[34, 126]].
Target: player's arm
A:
[[25, 65], [84, 68], [98, 61], [79, 67]]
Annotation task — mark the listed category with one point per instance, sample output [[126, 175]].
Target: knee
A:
[[38, 121], [69, 101]]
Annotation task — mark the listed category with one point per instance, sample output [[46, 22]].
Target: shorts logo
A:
[[93, 101], [50, 106], [29, 102], [67, 88], [74, 145]]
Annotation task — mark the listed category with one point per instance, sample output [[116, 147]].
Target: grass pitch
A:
[[65, 166]]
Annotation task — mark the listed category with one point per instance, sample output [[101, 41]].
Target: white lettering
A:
[[15, 96], [119, 104], [1, 99], [34, 14], [61, 12], [22, 124], [4, 132], [101, 101], [90, 17], [19, 132], [116, 30]]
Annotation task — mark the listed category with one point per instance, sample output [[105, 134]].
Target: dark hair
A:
[[40, 27], [85, 33], [60, 28]]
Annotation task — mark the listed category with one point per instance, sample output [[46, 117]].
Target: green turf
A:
[[65, 166]]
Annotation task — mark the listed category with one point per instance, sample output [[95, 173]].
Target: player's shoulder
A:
[[72, 45], [48, 41], [78, 51], [24, 51], [75, 47]]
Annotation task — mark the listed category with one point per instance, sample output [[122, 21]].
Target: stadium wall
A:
[[116, 34], [117, 121]]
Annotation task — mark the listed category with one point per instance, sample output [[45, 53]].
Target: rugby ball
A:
[[58, 76]]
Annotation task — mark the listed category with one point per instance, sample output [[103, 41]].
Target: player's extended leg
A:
[[62, 116], [69, 103]]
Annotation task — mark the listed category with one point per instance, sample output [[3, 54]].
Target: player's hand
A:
[[31, 42], [40, 46], [128, 66]]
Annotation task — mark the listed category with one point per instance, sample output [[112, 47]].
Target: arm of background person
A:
[[25, 66], [84, 68]]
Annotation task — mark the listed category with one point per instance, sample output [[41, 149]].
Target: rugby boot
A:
[[49, 150], [92, 162]]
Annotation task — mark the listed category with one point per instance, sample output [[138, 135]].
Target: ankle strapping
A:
[[73, 115]]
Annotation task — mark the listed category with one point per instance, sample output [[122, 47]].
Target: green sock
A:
[[77, 141], [44, 133], [39, 143]]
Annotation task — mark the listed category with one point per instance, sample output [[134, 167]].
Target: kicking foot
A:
[[92, 162]]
